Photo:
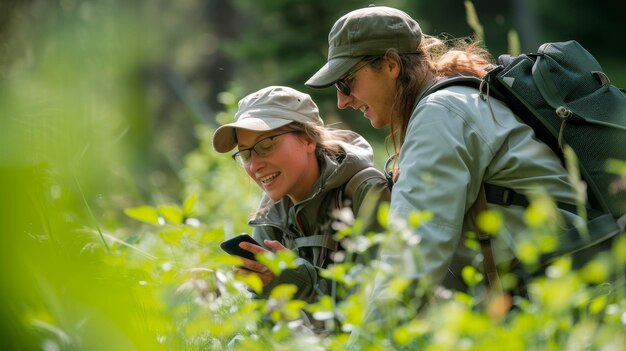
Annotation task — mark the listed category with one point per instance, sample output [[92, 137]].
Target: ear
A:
[[391, 66], [311, 145], [308, 142]]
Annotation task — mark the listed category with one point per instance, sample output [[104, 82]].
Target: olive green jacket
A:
[[308, 227]]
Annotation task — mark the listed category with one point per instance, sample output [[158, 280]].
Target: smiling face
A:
[[290, 169], [372, 92]]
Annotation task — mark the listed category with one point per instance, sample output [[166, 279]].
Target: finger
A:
[[275, 245], [254, 266], [255, 249]]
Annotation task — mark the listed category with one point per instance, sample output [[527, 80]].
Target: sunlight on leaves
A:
[[398, 286], [353, 312], [405, 334], [188, 205], [146, 214], [598, 304], [172, 235], [383, 214], [616, 167], [471, 276], [490, 221], [472, 20], [283, 292], [335, 272], [555, 295], [323, 309], [172, 213], [537, 213], [514, 45], [596, 271], [252, 280], [278, 261], [527, 252], [559, 268]]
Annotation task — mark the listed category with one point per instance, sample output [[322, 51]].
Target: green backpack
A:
[[563, 94]]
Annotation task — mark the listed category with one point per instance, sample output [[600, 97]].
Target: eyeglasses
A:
[[262, 147], [343, 84]]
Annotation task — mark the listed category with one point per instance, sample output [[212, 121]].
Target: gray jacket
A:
[[454, 144], [312, 219]]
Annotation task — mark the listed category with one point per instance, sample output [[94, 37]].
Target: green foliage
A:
[[111, 226]]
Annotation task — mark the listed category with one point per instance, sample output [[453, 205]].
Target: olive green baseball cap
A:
[[364, 32], [267, 109]]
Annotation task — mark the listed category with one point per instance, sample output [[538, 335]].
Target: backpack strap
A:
[[489, 263], [325, 241], [600, 226], [503, 196], [359, 178]]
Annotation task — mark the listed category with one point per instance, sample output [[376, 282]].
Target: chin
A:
[[274, 195], [378, 124]]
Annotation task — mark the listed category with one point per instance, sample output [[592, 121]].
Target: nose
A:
[[343, 101], [255, 163]]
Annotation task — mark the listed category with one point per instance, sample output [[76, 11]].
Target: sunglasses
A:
[[262, 148], [343, 84]]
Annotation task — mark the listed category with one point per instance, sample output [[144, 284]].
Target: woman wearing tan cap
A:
[[307, 172], [447, 144]]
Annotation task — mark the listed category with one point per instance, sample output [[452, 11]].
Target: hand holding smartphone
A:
[[231, 246]]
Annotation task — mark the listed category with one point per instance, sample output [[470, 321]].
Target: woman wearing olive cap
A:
[[305, 170], [447, 144]]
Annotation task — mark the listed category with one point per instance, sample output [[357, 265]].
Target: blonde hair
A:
[[327, 139]]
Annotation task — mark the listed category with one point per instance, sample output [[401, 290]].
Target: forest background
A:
[[106, 113]]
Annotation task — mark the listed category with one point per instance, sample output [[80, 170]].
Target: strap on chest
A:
[[325, 241]]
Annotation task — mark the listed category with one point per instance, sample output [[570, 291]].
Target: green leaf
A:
[[335, 272], [292, 309], [383, 214], [283, 291], [597, 305], [172, 213], [596, 271], [616, 167], [407, 333], [189, 204], [619, 250], [527, 252], [489, 221], [146, 214], [252, 280], [471, 276], [278, 261], [172, 234]]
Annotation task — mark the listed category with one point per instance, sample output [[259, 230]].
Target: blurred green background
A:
[[106, 105]]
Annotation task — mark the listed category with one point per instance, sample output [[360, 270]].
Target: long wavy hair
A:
[[327, 139], [436, 58]]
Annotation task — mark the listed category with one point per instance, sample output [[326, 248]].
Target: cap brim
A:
[[224, 136], [331, 72]]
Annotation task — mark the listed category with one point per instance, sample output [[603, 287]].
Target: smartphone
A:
[[231, 246]]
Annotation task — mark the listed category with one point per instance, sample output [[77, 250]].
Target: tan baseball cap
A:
[[267, 109], [369, 31]]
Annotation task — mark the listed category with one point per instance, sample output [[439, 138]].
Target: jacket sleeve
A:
[[442, 163], [367, 200]]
